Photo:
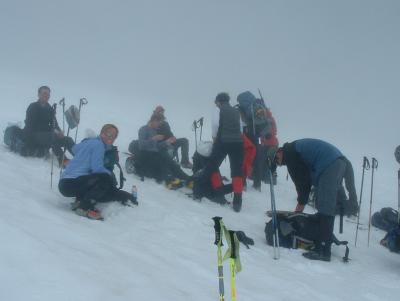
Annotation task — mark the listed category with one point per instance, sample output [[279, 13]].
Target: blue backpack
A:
[[254, 111], [13, 138]]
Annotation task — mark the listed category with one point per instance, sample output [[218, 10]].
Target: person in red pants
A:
[[228, 140]]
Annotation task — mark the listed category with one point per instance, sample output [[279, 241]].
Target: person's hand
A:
[[59, 134], [171, 140], [299, 208], [158, 137]]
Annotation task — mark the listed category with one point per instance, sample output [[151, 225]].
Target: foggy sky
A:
[[328, 69]]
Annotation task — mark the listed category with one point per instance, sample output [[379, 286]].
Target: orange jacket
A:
[[249, 154], [272, 140]]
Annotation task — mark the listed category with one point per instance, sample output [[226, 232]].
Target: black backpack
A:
[[298, 230], [386, 219], [111, 158], [13, 138]]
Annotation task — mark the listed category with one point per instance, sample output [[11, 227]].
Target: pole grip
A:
[[233, 246], [217, 228]]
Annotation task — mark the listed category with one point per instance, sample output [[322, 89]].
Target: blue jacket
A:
[[88, 159], [317, 155], [306, 159]]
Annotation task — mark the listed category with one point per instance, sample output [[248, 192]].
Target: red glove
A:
[[299, 208]]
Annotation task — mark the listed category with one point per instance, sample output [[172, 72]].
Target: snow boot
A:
[[237, 202]]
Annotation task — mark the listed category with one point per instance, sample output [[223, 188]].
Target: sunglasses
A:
[[110, 135]]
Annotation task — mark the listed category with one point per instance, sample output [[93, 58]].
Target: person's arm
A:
[[97, 159], [30, 118], [215, 124], [147, 143], [166, 130]]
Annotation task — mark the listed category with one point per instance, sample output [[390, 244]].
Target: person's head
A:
[[155, 121], [44, 94], [109, 133], [278, 158], [221, 98], [159, 110]]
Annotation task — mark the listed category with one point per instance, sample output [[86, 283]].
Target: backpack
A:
[[386, 219], [298, 230], [111, 158], [13, 138], [254, 111], [392, 240]]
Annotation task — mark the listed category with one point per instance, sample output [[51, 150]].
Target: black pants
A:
[[182, 143], [48, 140], [326, 224], [160, 165], [235, 152], [92, 189]]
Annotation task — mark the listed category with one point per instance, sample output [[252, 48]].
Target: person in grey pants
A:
[[316, 162]]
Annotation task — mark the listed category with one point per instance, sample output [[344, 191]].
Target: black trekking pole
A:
[[374, 165], [274, 216], [62, 103], [366, 166], [397, 156], [262, 98], [197, 124], [201, 126], [195, 133], [82, 102], [53, 126], [218, 243]]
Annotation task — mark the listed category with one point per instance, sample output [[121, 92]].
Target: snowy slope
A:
[[163, 250], [328, 69]]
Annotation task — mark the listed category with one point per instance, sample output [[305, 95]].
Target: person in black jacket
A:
[[318, 163], [41, 130], [182, 143], [227, 141]]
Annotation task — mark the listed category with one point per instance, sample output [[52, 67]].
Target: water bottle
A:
[[134, 194]]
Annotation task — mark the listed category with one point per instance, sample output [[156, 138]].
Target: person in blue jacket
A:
[[86, 177], [313, 162]]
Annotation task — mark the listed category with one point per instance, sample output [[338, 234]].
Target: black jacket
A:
[[298, 171], [39, 118]]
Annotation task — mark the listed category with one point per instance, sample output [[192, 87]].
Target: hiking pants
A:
[[89, 189], [49, 139], [160, 166], [235, 152]]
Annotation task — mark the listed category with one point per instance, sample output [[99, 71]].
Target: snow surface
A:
[[163, 249], [328, 70]]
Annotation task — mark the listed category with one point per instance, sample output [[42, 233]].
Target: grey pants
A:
[[329, 183]]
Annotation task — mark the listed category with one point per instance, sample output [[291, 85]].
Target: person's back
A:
[[317, 155], [229, 124]]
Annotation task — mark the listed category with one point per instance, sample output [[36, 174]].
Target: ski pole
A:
[[218, 243], [201, 126], [397, 156], [82, 102], [398, 196], [274, 217], [62, 103], [374, 165], [366, 166], [52, 142], [232, 264], [195, 133]]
